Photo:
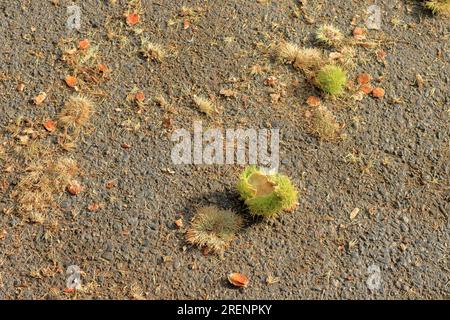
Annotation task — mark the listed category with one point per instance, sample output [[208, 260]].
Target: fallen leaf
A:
[[186, 24], [358, 34], [126, 146], [354, 213], [83, 44], [74, 187], [140, 96], [358, 31], [20, 87], [71, 81], [205, 251], [93, 207], [133, 19], [363, 78], [179, 223], [110, 184], [238, 280], [39, 99], [3, 234], [381, 54], [366, 88], [167, 122], [50, 125], [313, 101], [69, 290], [378, 92], [102, 68]]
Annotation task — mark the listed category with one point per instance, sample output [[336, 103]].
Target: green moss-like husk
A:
[[283, 196], [331, 79]]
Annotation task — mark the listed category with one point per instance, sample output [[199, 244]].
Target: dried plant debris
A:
[[266, 194], [287, 51], [152, 51], [76, 112], [330, 35], [186, 11], [213, 228], [306, 59], [324, 124], [440, 7], [73, 118], [331, 79], [132, 18], [204, 105], [40, 98], [345, 57], [40, 184], [309, 59]]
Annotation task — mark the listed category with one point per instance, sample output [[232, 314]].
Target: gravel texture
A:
[[130, 247]]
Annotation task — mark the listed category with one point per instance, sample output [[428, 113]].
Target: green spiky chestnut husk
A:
[[266, 194], [331, 79]]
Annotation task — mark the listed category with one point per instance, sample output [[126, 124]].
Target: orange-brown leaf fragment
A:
[[363, 78], [238, 280], [74, 187], [84, 44], [110, 184], [381, 54], [378, 92], [186, 24], [20, 87], [313, 101], [139, 96], [358, 34], [71, 81], [39, 99], [93, 207], [50, 125], [133, 19], [3, 234], [358, 31], [102, 68], [366, 88], [179, 223]]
